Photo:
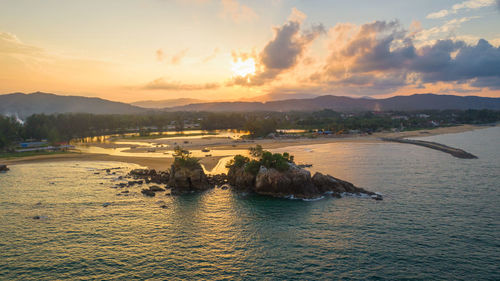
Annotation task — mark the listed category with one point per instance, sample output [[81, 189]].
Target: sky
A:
[[126, 50]]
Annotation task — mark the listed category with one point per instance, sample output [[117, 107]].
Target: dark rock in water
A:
[[96, 173], [327, 183], [37, 217], [187, 179], [150, 175], [108, 171], [217, 179], [132, 183], [156, 188], [4, 168], [164, 206], [106, 204], [240, 179], [377, 197], [125, 191], [148, 192], [294, 182]]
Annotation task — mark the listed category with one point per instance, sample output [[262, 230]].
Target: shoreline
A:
[[210, 162]]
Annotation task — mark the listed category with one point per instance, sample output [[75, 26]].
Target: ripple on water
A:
[[439, 220]]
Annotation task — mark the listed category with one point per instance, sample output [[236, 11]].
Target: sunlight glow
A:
[[243, 68]]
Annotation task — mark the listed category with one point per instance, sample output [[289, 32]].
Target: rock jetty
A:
[[456, 152]]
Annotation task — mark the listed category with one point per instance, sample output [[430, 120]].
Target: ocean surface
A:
[[440, 219]]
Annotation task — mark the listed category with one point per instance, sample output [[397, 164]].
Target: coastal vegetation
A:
[[61, 128], [261, 158]]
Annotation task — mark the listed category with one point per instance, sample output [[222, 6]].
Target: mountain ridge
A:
[[23, 105], [342, 103]]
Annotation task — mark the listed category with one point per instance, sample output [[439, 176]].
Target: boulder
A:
[[240, 179], [294, 181], [327, 183], [148, 192], [156, 188], [4, 168], [187, 179]]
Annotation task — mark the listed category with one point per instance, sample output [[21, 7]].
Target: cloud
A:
[[283, 51], [211, 56], [10, 44], [382, 56], [448, 29], [177, 58], [468, 5], [162, 84], [159, 55], [437, 15], [237, 12]]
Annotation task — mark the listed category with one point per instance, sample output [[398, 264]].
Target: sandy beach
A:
[[228, 144]]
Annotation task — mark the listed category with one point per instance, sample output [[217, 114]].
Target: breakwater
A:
[[456, 152]]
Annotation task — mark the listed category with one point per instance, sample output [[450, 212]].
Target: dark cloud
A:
[[161, 84], [471, 62], [282, 52], [381, 55]]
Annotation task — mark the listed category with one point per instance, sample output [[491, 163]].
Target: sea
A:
[[439, 220]]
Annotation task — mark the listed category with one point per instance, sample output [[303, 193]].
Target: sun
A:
[[243, 67]]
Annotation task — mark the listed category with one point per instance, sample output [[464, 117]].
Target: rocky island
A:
[[264, 173]]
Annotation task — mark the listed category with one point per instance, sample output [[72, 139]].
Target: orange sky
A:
[[229, 50]]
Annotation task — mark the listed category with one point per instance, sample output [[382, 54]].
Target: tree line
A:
[[65, 127]]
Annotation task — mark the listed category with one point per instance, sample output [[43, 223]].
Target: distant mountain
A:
[[157, 104], [278, 96], [166, 103], [24, 105], [339, 103]]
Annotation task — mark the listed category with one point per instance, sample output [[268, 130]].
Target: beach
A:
[[228, 147]]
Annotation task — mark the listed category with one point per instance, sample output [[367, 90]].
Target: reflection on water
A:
[[438, 220], [125, 151], [187, 134]]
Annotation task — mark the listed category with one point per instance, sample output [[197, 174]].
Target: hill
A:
[[340, 103], [166, 103], [27, 104]]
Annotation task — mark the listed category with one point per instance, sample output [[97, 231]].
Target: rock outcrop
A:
[[239, 179], [4, 168], [188, 179], [295, 181], [150, 176]]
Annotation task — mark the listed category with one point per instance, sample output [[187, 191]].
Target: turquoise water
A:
[[439, 220]]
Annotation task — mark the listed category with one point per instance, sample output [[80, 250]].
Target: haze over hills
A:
[[166, 103], [186, 101], [24, 105], [340, 103]]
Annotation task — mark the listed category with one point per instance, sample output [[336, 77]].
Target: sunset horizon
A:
[[234, 50], [249, 140]]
